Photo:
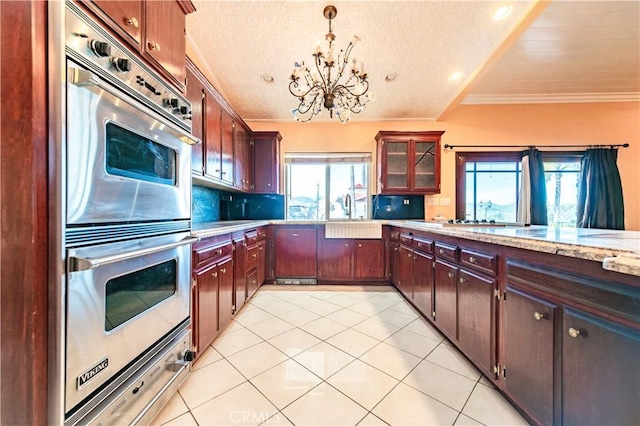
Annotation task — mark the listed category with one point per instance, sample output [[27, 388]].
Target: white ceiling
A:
[[573, 50]]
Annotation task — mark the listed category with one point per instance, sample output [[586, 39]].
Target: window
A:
[[488, 185], [324, 186]]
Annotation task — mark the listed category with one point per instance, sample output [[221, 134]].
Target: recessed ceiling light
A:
[[267, 78], [391, 77], [455, 76], [502, 12]]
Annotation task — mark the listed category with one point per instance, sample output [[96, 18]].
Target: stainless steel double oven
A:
[[126, 214]]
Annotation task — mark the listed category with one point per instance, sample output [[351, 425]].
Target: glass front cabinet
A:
[[409, 162]]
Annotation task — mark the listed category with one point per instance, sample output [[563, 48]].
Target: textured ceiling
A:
[[422, 41]]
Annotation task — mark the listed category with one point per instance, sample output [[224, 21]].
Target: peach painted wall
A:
[[539, 124]]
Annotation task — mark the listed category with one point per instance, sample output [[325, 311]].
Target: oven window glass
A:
[[136, 157], [134, 293]]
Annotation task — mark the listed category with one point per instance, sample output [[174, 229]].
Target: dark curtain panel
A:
[[538, 188], [600, 203]]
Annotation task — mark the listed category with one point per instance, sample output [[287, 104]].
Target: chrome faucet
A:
[[347, 205]]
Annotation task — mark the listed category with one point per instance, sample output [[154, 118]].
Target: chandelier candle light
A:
[[327, 84]]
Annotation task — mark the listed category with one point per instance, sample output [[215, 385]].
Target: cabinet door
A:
[[228, 127], [395, 167], [423, 282], [369, 259], [395, 264], [266, 153], [296, 252], [225, 292], [406, 271], [125, 16], [425, 173], [195, 95], [336, 259], [475, 317], [239, 157], [165, 42], [213, 137], [262, 262], [446, 298], [240, 273], [207, 289], [252, 282], [600, 371], [528, 344]]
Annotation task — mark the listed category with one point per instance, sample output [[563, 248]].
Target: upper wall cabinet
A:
[[153, 28], [409, 162], [266, 162]]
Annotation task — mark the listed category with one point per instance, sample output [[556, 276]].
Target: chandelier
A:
[[328, 82]]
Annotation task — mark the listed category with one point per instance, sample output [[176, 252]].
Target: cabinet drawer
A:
[[423, 244], [406, 238], [212, 254], [484, 262], [252, 238], [252, 257], [446, 251]]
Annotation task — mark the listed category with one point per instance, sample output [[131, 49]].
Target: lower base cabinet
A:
[[205, 326], [446, 298], [350, 260], [225, 292]]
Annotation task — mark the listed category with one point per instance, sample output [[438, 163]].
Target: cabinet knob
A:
[[538, 316], [472, 259], [131, 22], [154, 46], [574, 333], [255, 255], [462, 280], [219, 251], [294, 235], [409, 255], [441, 251], [268, 184], [395, 249], [214, 275], [346, 244], [359, 245], [450, 274], [223, 270]]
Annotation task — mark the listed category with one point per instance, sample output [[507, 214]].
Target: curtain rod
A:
[[623, 145]]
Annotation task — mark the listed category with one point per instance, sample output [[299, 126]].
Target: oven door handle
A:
[[85, 78], [83, 263]]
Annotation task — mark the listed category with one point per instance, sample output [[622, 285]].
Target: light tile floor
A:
[[334, 355]]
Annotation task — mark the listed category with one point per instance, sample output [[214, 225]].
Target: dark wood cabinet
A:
[[225, 292], [213, 136], [205, 324], [124, 17], [296, 251], [476, 317], [239, 271], [195, 95], [266, 162], [240, 155], [369, 259], [336, 259], [409, 162], [423, 282], [226, 147], [600, 371], [446, 298], [529, 341]]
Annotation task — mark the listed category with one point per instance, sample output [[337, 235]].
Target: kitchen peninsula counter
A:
[[618, 251]]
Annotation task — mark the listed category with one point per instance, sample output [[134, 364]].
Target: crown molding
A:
[[552, 98]]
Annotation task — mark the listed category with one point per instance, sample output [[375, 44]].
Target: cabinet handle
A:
[[219, 251], [472, 259], [346, 244], [255, 255], [223, 270], [462, 280], [395, 249], [441, 251], [154, 46], [409, 255], [260, 248], [538, 316], [450, 274], [294, 235], [131, 22], [359, 245], [574, 333], [224, 173], [253, 281], [214, 275]]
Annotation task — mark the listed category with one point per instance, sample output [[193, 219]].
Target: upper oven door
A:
[[122, 298], [124, 162]]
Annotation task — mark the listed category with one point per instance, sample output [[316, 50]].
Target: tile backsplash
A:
[[234, 206], [397, 207], [205, 204]]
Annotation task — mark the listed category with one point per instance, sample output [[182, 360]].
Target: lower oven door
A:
[[122, 299]]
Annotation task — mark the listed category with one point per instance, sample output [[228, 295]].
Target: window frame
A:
[[463, 157]]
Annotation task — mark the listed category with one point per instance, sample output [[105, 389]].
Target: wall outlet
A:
[[405, 201]]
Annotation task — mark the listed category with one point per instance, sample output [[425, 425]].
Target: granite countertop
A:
[[618, 251]]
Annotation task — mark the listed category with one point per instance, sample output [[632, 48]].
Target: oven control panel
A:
[[89, 43]]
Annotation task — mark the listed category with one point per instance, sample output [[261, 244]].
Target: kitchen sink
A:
[[353, 229]]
